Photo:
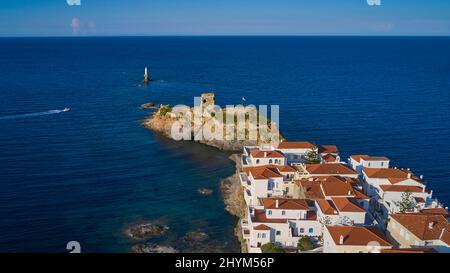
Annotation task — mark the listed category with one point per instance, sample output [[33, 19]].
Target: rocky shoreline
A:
[[233, 198], [161, 122]]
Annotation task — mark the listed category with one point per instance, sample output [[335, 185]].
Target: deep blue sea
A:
[[86, 174]]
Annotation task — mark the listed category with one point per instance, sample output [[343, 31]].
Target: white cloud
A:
[[75, 25], [73, 2]]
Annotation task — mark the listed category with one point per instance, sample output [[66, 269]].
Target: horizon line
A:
[[225, 35]]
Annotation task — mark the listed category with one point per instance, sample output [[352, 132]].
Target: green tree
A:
[[164, 110], [305, 244], [271, 248], [407, 203], [312, 157]]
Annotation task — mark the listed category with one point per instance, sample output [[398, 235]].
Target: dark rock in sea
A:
[[196, 236], [146, 230], [153, 248], [149, 105], [204, 191]]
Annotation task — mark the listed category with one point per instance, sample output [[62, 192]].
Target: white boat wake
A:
[[21, 116]]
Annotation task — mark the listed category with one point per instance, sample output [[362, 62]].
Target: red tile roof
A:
[[344, 204], [425, 226], [296, 145], [333, 186], [329, 158], [327, 206], [393, 175], [266, 154], [285, 203], [263, 172], [358, 158], [328, 149], [438, 211], [400, 188], [330, 169], [311, 189], [357, 236], [262, 227]]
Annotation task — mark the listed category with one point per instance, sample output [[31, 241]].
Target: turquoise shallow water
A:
[[88, 173]]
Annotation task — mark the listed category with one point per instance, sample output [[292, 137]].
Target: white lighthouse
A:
[[146, 78]]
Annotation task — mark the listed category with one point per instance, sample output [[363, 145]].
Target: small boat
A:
[[66, 109]]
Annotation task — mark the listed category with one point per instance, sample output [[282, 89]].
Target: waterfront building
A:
[[265, 181], [354, 239], [262, 155], [295, 151], [412, 230], [280, 221], [358, 162]]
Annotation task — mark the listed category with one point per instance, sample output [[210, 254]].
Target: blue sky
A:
[[223, 17]]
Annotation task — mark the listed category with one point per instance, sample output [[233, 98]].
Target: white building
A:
[[412, 230], [373, 178], [265, 181], [354, 239], [295, 151], [388, 187], [263, 155], [279, 221], [340, 211], [358, 162]]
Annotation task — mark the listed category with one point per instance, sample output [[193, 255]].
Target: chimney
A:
[[265, 154], [442, 234], [341, 240], [349, 193], [431, 224], [276, 203], [409, 175]]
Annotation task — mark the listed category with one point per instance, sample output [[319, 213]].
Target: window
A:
[[278, 232], [311, 230], [368, 164], [302, 230], [259, 244], [263, 235], [257, 161], [382, 163], [259, 235], [269, 212], [270, 161], [283, 212]]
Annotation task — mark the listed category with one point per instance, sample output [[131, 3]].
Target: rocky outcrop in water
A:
[[146, 230], [148, 105], [162, 121], [153, 248], [196, 237], [204, 191]]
